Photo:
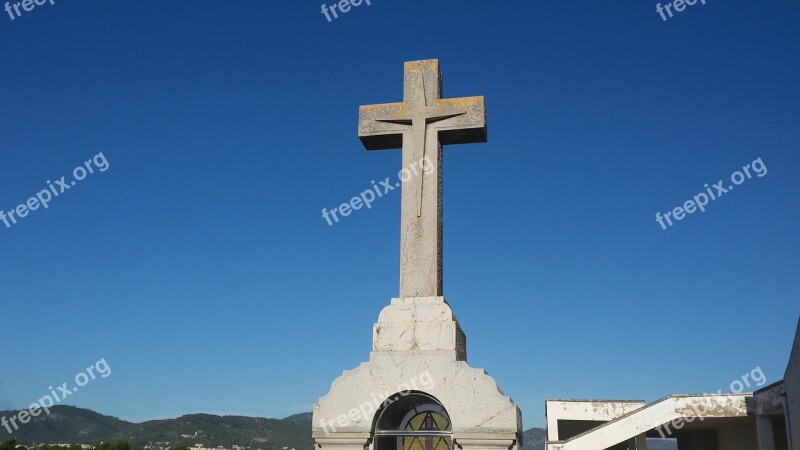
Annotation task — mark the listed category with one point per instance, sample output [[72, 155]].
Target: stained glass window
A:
[[413, 422]]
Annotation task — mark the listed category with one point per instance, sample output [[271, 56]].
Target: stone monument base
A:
[[418, 347]]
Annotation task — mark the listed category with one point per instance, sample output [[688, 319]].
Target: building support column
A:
[[638, 443], [766, 439], [791, 434], [641, 442]]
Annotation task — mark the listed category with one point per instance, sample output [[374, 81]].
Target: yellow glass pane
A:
[[442, 444], [437, 423], [413, 443]]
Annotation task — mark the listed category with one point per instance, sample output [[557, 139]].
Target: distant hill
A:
[[70, 425], [66, 424], [534, 439]]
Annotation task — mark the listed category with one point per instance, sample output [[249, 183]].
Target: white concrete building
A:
[[768, 419]]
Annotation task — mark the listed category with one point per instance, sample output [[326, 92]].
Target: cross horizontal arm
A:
[[458, 121], [376, 129], [467, 123]]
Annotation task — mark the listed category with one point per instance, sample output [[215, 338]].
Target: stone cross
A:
[[420, 125]]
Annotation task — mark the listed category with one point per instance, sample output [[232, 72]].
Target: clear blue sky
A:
[[200, 267]]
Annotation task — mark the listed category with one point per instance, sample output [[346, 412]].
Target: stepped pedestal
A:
[[418, 347]]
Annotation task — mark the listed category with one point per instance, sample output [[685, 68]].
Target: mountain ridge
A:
[[73, 425]]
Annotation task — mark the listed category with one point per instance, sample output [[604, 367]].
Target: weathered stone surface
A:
[[419, 324], [421, 124], [476, 405]]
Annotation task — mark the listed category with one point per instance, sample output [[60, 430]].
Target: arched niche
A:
[[413, 421]]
